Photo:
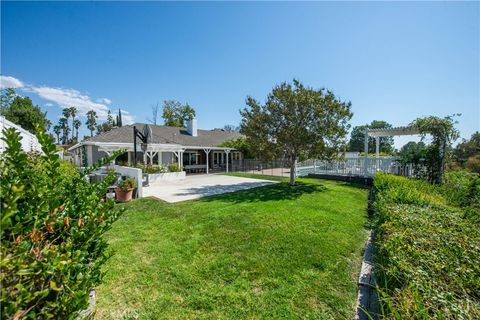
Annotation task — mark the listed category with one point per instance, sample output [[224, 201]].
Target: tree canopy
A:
[[22, 111], [357, 138], [296, 123], [466, 154], [175, 114]]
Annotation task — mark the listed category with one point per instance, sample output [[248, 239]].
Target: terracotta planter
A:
[[123, 195]]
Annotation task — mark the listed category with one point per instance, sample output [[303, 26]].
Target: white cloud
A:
[[104, 100], [65, 98], [10, 82]]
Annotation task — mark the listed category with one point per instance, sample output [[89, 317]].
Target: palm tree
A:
[[76, 125], [66, 115], [91, 121], [57, 129], [63, 123], [73, 114]]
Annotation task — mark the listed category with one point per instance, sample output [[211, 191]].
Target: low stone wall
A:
[[167, 176]]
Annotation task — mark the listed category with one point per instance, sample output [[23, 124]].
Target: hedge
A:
[[427, 244]]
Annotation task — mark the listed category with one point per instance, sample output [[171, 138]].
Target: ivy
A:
[[443, 133]]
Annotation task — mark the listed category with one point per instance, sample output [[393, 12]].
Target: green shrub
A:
[[127, 184], [155, 169], [51, 232], [462, 188], [427, 252], [174, 167]]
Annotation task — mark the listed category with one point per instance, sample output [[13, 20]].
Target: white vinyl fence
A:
[[352, 166], [29, 141]]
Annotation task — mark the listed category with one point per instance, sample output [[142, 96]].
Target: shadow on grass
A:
[[273, 192]]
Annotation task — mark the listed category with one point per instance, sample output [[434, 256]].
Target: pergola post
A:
[[207, 152], [365, 165], [377, 150], [227, 151]]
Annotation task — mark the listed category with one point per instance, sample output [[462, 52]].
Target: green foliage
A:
[[466, 154], [357, 138], [415, 154], [240, 144], [176, 114], [174, 167], [427, 251], [295, 123], [443, 133], [51, 232], [155, 168], [127, 184], [22, 111]]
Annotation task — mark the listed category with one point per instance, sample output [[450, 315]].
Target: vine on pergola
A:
[[443, 133]]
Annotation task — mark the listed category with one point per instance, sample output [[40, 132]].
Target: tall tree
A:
[[119, 118], [73, 114], [91, 121], [357, 138], [175, 114], [21, 111], [155, 110], [63, 123], [296, 123], [57, 129], [76, 125]]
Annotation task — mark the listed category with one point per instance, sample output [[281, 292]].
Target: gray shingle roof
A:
[[164, 134]]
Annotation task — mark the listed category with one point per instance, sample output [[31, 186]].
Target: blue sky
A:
[[394, 61]]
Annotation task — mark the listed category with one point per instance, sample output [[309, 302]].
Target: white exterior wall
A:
[[29, 140]]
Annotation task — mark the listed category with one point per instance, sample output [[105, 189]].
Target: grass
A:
[[269, 252]]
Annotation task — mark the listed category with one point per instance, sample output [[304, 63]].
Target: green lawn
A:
[[269, 252]]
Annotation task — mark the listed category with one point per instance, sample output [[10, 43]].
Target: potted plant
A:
[[124, 190]]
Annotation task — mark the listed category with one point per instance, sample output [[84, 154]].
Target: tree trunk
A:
[[292, 173]]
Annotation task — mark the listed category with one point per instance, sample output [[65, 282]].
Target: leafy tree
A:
[[357, 138], [175, 114], [76, 125], [6, 98], [443, 133], [414, 154], [241, 144], [466, 154], [296, 122], [21, 111], [52, 223], [91, 121]]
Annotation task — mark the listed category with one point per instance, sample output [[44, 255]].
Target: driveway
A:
[[197, 186]]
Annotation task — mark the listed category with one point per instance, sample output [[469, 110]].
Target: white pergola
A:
[[386, 132]]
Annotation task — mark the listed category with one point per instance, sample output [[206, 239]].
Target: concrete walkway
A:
[[197, 186]]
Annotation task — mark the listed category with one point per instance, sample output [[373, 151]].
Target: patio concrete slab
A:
[[197, 186]]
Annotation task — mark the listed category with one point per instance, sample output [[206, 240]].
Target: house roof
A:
[[167, 135]]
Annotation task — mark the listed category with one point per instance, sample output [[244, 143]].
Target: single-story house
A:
[[193, 149]]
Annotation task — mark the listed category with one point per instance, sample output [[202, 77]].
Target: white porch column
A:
[[207, 153], [129, 153], [227, 151], [365, 165]]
